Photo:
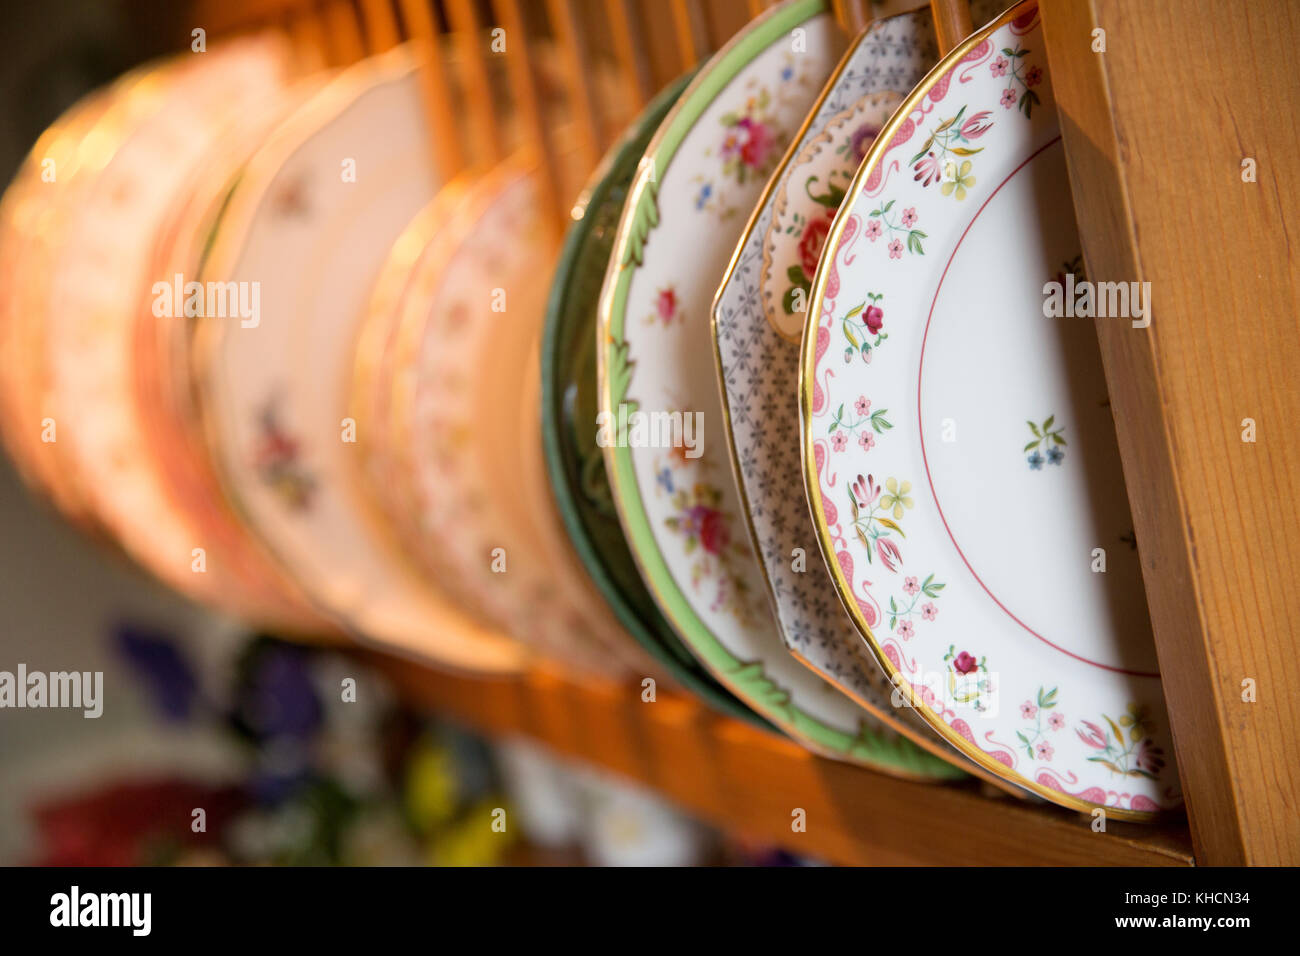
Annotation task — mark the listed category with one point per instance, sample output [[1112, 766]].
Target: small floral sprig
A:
[[866, 419], [1035, 739], [863, 328], [1133, 754], [965, 683], [1048, 438], [881, 224], [1011, 64], [871, 522], [706, 532], [278, 460], [944, 156], [667, 308], [916, 591]]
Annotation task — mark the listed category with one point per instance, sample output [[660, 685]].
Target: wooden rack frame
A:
[[1161, 112]]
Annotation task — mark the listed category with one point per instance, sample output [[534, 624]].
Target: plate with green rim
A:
[[575, 464], [659, 398]]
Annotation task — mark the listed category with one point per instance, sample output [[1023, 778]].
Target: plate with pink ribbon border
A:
[[958, 447]]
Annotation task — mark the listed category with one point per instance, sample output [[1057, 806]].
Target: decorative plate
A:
[[115, 166], [757, 317], [569, 406], [982, 543], [94, 295], [675, 494], [164, 386], [464, 415], [32, 212], [375, 372], [304, 234]]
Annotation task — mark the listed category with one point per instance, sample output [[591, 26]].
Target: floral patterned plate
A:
[[676, 498], [757, 317], [569, 405], [164, 388], [309, 222], [981, 540], [465, 417]]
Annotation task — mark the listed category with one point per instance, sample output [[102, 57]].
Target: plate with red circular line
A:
[[958, 446]]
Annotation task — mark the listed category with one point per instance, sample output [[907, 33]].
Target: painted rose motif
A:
[[714, 535], [666, 308], [706, 531], [964, 663], [749, 145], [812, 231], [749, 142], [811, 243], [968, 680], [277, 461], [862, 327]]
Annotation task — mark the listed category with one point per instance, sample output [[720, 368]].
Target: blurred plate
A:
[[463, 416], [304, 234], [570, 402]]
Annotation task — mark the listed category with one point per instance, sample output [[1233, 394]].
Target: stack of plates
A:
[[787, 420]]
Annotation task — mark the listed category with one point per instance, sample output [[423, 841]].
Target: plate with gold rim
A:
[[676, 498], [163, 387], [757, 320], [464, 412], [309, 221], [982, 544], [569, 406]]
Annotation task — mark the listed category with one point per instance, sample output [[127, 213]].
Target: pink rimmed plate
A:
[[958, 449], [757, 319]]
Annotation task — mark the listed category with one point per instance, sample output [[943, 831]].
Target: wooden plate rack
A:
[[1180, 121]]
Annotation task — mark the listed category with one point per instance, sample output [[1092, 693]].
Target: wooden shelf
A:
[[748, 781], [1157, 129]]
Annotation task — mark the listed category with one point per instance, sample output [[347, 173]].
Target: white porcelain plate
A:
[[958, 448], [311, 219], [679, 505]]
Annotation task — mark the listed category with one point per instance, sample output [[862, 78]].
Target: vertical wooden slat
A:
[[1155, 143], [309, 40], [522, 72], [690, 42], [952, 22], [477, 87], [380, 21], [343, 31], [630, 51], [577, 70], [447, 151]]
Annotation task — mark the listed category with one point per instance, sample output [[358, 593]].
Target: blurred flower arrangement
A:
[[332, 776]]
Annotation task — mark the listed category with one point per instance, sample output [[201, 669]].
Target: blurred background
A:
[[207, 715]]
